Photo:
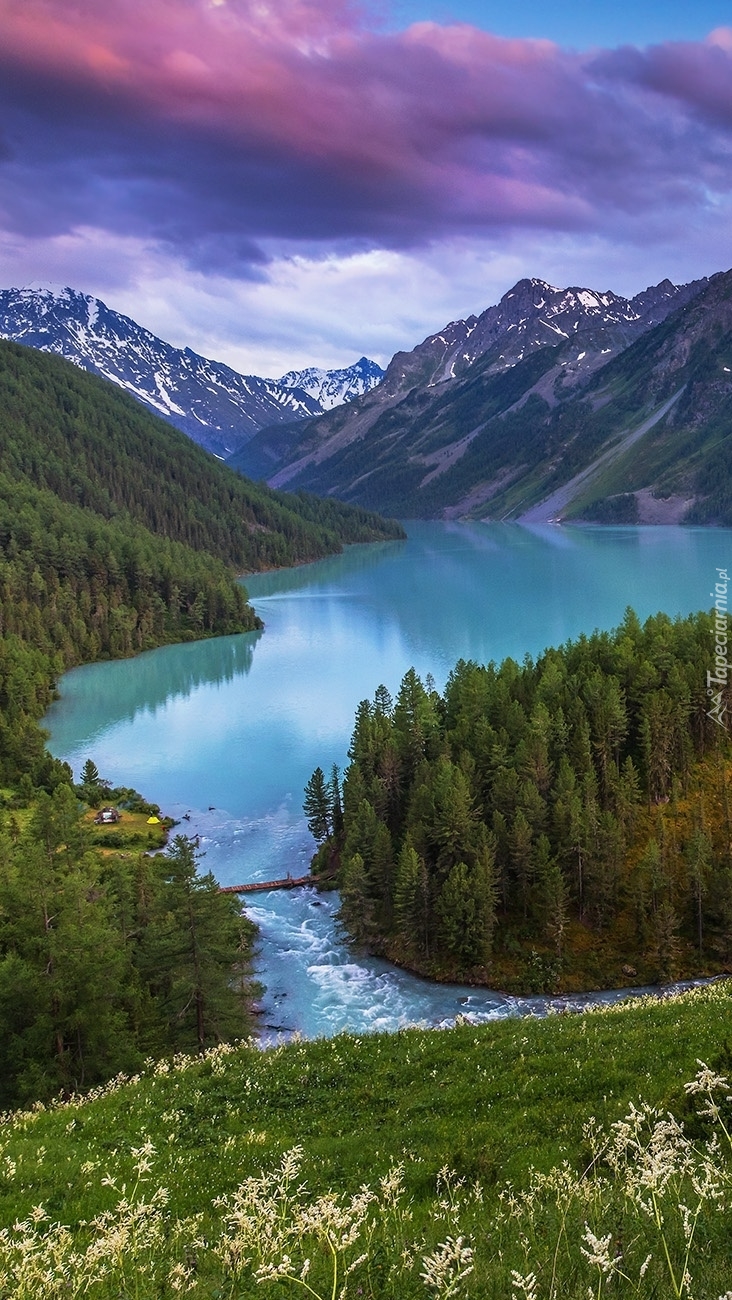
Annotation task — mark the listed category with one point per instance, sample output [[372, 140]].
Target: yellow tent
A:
[[153, 821]]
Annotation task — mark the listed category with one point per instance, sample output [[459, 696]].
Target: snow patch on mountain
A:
[[532, 315], [214, 404]]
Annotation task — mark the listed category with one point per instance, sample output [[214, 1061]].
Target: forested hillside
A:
[[108, 958], [117, 534], [107, 955], [93, 446], [559, 824]]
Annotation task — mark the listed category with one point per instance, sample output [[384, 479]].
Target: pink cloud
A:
[[214, 123]]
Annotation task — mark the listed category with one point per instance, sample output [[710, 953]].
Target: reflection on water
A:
[[108, 693], [231, 735], [327, 572], [482, 591]]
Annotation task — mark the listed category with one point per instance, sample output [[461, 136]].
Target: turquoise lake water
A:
[[230, 730]]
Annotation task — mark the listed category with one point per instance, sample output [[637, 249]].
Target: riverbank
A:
[[535, 969], [238, 724], [524, 968]]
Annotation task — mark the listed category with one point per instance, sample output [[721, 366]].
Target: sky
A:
[[282, 183]]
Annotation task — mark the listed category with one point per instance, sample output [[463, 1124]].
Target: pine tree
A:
[[193, 947], [466, 912], [318, 806], [382, 868], [666, 945], [90, 773], [415, 722], [521, 857], [356, 912], [698, 865], [405, 892], [453, 815], [554, 894], [628, 797]]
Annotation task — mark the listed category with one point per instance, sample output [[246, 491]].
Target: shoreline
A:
[[473, 980]]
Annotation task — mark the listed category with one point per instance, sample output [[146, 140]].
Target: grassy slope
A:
[[488, 1101]]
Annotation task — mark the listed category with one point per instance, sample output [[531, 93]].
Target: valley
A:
[[232, 738], [224, 731], [365, 650], [552, 403], [117, 534]]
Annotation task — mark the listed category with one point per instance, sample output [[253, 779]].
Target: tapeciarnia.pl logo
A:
[[717, 681]]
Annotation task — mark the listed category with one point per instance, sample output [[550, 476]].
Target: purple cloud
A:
[[213, 128]]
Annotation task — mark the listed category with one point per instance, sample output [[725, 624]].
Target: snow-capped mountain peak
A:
[[532, 315], [333, 387], [214, 404]]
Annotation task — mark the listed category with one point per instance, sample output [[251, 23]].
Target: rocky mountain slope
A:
[[215, 405], [493, 415], [534, 315]]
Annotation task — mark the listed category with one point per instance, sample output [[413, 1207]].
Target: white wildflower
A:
[[706, 1080], [599, 1254], [526, 1284], [447, 1266], [181, 1278]]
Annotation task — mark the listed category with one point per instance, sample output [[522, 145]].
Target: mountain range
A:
[[552, 404], [491, 416], [215, 405]]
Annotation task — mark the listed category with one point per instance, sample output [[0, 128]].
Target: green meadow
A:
[[485, 1161]]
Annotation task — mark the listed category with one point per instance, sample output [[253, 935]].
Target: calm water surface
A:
[[230, 730]]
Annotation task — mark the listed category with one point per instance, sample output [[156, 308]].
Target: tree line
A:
[[540, 819]]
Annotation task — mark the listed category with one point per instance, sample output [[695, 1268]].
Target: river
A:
[[228, 731]]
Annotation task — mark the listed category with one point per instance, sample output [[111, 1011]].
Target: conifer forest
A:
[[556, 824]]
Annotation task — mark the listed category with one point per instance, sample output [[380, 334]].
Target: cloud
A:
[[327, 311], [214, 129], [280, 182], [694, 76]]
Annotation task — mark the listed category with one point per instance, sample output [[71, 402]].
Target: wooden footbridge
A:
[[258, 886]]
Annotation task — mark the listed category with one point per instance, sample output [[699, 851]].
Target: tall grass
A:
[[166, 1184]]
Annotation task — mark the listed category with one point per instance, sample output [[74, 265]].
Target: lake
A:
[[228, 731]]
